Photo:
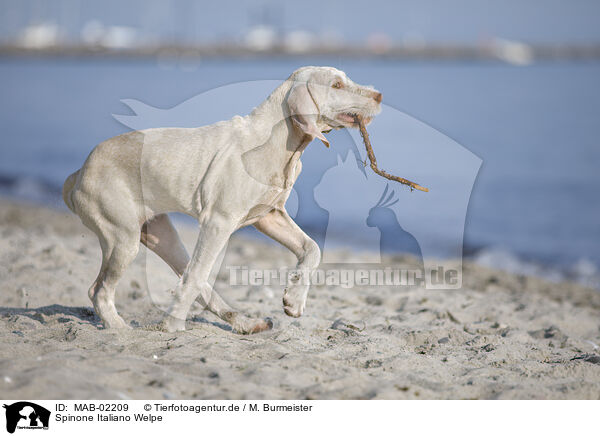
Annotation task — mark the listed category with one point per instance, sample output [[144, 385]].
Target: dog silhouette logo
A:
[[26, 415], [335, 198]]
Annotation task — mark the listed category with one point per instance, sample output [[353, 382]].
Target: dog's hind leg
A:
[[119, 249], [117, 226], [159, 235]]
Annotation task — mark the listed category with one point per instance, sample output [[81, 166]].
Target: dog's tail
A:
[[68, 190]]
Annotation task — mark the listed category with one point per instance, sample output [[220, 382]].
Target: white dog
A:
[[228, 175]]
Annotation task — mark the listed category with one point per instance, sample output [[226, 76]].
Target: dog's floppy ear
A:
[[304, 111]]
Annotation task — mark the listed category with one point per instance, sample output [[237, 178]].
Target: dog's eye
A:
[[337, 85]]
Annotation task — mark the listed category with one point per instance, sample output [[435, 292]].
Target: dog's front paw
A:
[[294, 300], [116, 323]]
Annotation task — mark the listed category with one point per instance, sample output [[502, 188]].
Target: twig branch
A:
[[371, 154]]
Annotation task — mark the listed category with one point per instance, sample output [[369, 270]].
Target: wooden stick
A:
[[371, 154]]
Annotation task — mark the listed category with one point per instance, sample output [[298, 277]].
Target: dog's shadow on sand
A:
[[40, 314], [64, 314], [202, 320]]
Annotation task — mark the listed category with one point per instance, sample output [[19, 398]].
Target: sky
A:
[[431, 21]]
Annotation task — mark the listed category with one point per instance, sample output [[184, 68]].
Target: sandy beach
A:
[[501, 337]]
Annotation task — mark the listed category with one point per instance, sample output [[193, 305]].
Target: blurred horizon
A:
[[311, 22]]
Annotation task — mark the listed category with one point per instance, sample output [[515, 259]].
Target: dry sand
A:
[[502, 336]]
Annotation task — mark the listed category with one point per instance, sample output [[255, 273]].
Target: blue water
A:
[[535, 128]]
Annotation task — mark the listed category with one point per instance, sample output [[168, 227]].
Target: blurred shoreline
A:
[[28, 192]]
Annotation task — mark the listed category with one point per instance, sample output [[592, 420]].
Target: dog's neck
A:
[[282, 142]]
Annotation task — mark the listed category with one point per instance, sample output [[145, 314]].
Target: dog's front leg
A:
[[278, 225], [195, 281]]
